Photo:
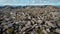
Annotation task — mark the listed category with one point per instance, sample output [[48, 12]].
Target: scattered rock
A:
[[30, 19]]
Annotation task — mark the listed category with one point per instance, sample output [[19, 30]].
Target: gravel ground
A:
[[30, 20]]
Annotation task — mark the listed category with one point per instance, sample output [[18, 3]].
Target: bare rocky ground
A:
[[30, 20]]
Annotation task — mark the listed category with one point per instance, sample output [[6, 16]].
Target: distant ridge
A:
[[42, 6]]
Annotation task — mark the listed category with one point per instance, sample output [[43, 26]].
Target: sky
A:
[[29, 2]]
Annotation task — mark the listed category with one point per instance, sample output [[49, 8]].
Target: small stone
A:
[[58, 24], [29, 17], [33, 19], [11, 13], [39, 21], [5, 26], [28, 23], [47, 30], [44, 32], [50, 24], [58, 30], [17, 22], [32, 22], [13, 17], [7, 19], [38, 17]]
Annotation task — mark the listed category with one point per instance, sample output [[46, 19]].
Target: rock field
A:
[[30, 20]]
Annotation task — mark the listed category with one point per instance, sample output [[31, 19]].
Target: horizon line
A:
[[30, 5]]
